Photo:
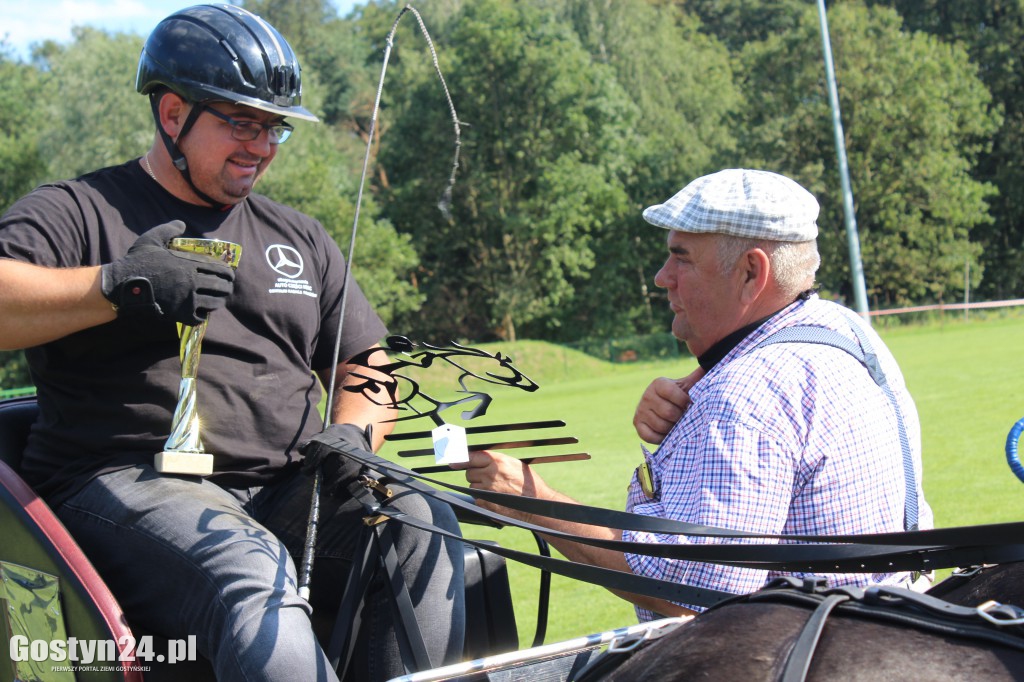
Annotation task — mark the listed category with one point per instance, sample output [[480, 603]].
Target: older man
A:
[[777, 438]]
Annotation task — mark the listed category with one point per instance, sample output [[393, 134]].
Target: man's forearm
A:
[[351, 407], [41, 304], [595, 556]]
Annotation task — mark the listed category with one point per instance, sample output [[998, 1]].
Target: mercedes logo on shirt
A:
[[287, 263], [284, 260]]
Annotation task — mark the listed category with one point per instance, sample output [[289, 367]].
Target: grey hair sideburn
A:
[[793, 264]]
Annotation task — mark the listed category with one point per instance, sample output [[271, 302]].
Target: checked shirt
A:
[[791, 438]]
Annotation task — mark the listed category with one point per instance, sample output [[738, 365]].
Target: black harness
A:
[[991, 622]]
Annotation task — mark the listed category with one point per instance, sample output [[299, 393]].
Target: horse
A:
[[758, 638]]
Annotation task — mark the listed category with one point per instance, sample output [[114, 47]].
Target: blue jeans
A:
[[184, 557]]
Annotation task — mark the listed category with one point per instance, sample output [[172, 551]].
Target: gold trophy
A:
[[183, 451]]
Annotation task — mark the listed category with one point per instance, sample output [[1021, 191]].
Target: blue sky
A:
[[24, 22]]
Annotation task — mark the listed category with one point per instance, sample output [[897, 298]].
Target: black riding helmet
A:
[[223, 53]]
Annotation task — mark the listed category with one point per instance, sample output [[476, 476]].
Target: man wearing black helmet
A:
[[94, 295]]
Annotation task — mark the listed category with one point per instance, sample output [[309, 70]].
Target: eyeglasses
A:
[[247, 131]]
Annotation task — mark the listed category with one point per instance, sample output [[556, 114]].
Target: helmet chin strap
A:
[[177, 156]]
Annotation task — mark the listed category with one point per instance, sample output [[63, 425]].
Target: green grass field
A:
[[966, 377]]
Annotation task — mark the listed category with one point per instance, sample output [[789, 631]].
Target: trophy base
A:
[[187, 463]]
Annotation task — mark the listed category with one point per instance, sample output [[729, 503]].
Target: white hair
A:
[[793, 264]]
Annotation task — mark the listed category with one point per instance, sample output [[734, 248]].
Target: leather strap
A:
[[410, 639], [605, 577], [799, 660], [879, 552], [923, 550], [349, 618], [378, 553]]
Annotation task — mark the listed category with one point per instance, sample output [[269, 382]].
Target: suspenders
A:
[[865, 354]]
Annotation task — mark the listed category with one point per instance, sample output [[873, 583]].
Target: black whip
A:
[[306, 569]]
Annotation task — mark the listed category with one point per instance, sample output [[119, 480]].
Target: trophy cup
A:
[[183, 451]]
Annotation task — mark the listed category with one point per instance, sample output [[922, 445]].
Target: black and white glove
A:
[[338, 470], [152, 279]]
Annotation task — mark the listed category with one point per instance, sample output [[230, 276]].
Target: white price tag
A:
[[450, 444]]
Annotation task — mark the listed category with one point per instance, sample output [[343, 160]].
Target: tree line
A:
[[574, 116]]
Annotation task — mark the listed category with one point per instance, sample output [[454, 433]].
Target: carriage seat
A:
[[35, 540], [16, 418], [36, 548]]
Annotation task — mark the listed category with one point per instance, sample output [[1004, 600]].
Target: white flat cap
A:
[[744, 203]]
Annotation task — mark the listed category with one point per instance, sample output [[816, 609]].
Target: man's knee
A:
[[432, 548], [425, 508]]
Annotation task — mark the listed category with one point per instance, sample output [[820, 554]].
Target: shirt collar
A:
[[712, 356]]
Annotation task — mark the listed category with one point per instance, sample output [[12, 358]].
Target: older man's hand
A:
[[662, 405], [500, 473]]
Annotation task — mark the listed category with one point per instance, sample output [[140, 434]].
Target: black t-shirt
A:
[[107, 394]]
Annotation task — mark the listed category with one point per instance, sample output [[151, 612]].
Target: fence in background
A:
[[665, 346], [943, 307]]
